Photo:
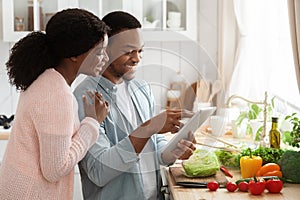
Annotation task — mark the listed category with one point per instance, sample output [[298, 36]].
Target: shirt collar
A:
[[107, 85]]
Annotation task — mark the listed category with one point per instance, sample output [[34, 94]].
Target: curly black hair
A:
[[119, 21], [69, 33]]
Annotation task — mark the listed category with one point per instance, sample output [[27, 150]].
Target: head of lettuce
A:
[[201, 164]]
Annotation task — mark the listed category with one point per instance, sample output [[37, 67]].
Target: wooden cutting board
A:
[[182, 180]]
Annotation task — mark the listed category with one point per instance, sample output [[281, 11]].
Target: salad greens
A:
[[201, 164], [228, 159], [232, 159], [269, 155]]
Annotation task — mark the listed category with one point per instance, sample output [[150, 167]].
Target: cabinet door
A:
[[177, 20], [162, 20], [8, 17], [20, 17]]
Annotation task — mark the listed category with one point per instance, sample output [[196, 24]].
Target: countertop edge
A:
[[4, 134]]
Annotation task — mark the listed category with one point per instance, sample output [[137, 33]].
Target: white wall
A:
[[161, 61], [8, 95]]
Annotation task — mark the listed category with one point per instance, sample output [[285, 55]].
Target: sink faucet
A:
[[264, 102]]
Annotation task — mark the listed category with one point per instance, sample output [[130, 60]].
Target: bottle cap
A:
[[275, 119]]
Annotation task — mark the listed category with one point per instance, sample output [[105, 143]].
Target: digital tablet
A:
[[191, 125]]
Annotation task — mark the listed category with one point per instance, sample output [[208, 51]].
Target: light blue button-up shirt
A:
[[111, 170]]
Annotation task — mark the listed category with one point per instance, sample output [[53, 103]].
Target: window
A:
[[267, 62]]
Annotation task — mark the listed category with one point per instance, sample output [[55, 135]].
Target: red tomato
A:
[[213, 185], [231, 186], [274, 186], [256, 188], [243, 186]]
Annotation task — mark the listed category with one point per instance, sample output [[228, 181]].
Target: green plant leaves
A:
[[254, 111], [294, 137]]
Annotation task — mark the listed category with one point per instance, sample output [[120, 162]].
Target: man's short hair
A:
[[119, 21]]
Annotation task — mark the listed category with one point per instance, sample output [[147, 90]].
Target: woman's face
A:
[[95, 59]]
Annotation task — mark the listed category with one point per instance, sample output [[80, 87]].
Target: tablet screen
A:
[[191, 125]]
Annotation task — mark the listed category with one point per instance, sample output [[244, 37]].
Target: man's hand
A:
[[168, 121], [185, 148]]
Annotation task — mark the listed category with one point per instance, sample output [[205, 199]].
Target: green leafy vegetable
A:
[[290, 166], [228, 159], [269, 155], [201, 164]]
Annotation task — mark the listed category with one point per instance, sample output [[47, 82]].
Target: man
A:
[[125, 161]]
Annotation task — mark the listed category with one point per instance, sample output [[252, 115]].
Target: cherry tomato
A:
[[256, 187], [231, 186], [274, 186], [213, 185], [243, 186]]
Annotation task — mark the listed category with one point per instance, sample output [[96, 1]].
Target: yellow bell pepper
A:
[[250, 165]]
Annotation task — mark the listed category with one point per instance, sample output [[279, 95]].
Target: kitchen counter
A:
[[289, 191], [4, 134], [176, 192]]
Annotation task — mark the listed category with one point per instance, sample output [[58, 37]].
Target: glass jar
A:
[[19, 24]]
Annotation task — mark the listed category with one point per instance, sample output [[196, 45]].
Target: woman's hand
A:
[[98, 109]]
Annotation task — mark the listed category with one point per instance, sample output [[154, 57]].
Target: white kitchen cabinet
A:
[[20, 17]]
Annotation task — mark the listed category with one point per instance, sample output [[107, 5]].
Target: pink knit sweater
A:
[[46, 142]]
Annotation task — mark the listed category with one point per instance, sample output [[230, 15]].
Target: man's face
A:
[[124, 51]]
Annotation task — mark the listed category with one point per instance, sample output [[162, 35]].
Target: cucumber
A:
[[249, 179]]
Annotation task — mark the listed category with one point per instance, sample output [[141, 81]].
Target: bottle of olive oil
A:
[[274, 134]]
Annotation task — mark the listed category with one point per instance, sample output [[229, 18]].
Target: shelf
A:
[[153, 14]]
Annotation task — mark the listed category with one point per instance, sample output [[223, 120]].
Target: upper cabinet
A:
[[162, 20]]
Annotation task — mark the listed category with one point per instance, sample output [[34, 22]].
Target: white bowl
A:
[[172, 23]]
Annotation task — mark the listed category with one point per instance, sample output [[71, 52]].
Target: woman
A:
[[47, 140]]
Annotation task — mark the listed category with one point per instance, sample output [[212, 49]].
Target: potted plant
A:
[[253, 119], [247, 116], [292, 137], [290, 160]]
